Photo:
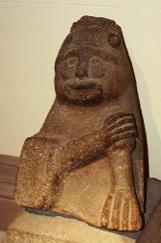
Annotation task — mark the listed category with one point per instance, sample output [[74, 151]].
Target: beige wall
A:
[[31, 33]]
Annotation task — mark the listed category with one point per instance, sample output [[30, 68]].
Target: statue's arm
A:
[[34, 177], [79, 151], [44, 163], [118, 127]]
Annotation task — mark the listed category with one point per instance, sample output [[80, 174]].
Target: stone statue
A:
[[88, 159]]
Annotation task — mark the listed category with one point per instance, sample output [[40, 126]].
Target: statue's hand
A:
[[120, 131]]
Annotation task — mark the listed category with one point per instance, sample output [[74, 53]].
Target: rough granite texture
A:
[[153, 198], [89, 158], [32, 228]]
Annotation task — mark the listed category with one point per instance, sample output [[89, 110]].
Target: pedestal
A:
[[32, 228]]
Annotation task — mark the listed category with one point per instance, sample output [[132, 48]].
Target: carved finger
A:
[[135, 221], [110, 120], [122, 136], [121, 122], [124, 144], [106, 220], [123, 129], [115, 211], [124, 214]]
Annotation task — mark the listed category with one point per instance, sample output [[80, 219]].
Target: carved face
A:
[[92, 67]]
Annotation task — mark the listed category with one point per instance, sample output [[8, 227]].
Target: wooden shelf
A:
[[8, 208]]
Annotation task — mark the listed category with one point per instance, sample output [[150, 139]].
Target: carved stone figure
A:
[[88, 158]]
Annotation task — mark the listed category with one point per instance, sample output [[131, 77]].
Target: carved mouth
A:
[[83, 91], [82, 85]]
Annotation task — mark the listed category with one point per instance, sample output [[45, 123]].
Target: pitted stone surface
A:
[[89, 158], [31, 228]]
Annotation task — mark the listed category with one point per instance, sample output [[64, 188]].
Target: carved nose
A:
[[81, 71]]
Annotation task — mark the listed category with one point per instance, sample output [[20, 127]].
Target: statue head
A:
[[93, 63]]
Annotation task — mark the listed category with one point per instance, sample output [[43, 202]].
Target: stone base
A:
[[32, 228]]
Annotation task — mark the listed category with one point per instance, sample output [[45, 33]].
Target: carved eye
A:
[[114, 40], [96, 67], [95, 60], [68, 67], [72, 62]]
